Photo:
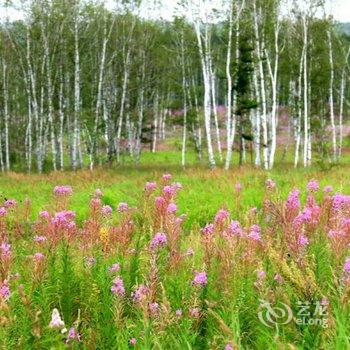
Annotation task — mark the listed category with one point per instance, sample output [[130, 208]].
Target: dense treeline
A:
[[84, 85]]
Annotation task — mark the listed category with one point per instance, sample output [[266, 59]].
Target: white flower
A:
[[56, 321]]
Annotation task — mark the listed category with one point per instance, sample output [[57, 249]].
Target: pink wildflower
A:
[[160, 202], [293, 201], [150, 186], [222, 215], [44, 214], [114, 268], [118, 287], [166, 177], [208, 229], [3, 211], [270, 184], [159, 240], [106, 210], [178, 312], [39, 257], [98, 193], [63, 190], [228, 347], [133, 341], [303, 240], [328, 189], [313, 186], [278, 278], [73, 335], [347, 265], [5, 290], [154, 308], [171, 209], [140, 293], [200, 279], [255, 233], [10, 203], [56, 321], [123, 207], [195, 312]]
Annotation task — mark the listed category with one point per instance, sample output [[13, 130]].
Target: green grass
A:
[[204, 191]]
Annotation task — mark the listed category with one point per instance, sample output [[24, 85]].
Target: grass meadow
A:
[[201, 259]]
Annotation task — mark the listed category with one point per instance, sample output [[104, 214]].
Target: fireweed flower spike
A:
[[150, 186], [313, 186], [159, 240], [62, 190], [166, 177], [123, 207], [106, 210], [4, 290], [114, 268], [200, 279], [118, 287]]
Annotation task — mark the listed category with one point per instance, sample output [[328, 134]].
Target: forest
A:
[[84, 84]]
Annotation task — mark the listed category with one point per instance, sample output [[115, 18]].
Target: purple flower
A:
[[171, 209], [106, 210], [255, 233], [228, 346], [167, 177], [221, 215], [56, 321], [114, 268], [123, 207], [44, 214], [346, 267], [208, 229], [278, 278], [195, 312], [63, 190], [118, 287], [154, 308], [133, 341], [200, 279], [140, 293], [150, 186], [178, 312], [3, 211], [98, 193], [159, 240], [73, 335], [5, 290], [39, 257], [39, 239], [340, 201], [303, 240], [313, 186], [293, 201], [328, 189], [261, 274], [10, 203], [160, 201], [169, 191], [5, 249]]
